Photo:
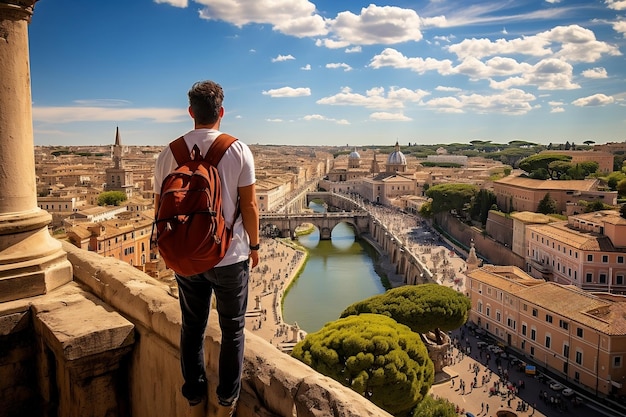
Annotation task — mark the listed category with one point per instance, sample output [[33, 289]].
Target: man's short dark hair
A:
[[205, 99]]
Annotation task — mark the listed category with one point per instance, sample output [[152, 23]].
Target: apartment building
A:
[[587, 251], [604, 159], [576, 335], [126, 238], [524, 194]]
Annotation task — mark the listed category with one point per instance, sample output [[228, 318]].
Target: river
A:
[[338, 273]]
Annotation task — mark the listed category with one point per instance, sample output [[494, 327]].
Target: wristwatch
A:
[[255, 247]]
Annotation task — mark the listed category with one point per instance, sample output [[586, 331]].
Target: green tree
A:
[[423, 307], [426, 210], [622, 211], [621, 187], [547, 205], [373, 355], [431, 407], [481, 205], [446, 197], [111, 198], [541, 161]]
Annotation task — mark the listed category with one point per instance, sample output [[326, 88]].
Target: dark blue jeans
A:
[[230, 284]]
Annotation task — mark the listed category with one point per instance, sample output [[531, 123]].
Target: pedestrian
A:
[[229, 278], [487, 408]]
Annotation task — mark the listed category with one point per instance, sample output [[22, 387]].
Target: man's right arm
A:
[[250, 217]]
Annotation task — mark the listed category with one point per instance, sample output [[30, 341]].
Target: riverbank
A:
[[280, 263]]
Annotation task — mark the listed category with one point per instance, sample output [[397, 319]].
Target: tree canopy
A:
[[111, 198], [448, 197], [423, 307], [375, 356], [431, 407], [547, 205]]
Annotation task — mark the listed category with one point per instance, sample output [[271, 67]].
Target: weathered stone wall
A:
[[486, 246], [274, 383], [500, 227]]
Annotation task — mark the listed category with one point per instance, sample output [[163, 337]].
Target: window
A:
[[535, 312], [602, 278], [524, 329], [620, 259], [605, 259], [498, 316], [563, 324], [589, 258], [548, 341], [488, 311], [589, 277], [619, 279], [617, 362], [548, 318], [533, 334], [579, 332], [579, 357], [566, 351]]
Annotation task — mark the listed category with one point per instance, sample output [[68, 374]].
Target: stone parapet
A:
[[274, 383]]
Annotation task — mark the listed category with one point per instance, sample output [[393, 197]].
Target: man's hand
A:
[[254, 258]]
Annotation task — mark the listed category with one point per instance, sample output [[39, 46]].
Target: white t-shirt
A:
[[236, 169]]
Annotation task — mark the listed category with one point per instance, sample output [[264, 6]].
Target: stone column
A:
[[31, 261]]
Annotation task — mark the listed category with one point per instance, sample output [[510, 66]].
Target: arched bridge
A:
[[286, 224]]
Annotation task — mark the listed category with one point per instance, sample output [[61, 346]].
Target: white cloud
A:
[[274, 120], [620, 26], [594, 100], [291, 17], [396, 117], [331, 44], [336, 65], [353, 50], [557, 110], [595, 73], [448, 89], [374, 98], [577, 44], [616, 4], [307, 67], [282, 58], [175, 3], [553, 1], [377, 25], [288, 92], [512, 102], [98, 114], [324, 118], [392, 58]]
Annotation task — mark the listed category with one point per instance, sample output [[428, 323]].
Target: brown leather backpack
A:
[[192, 236]]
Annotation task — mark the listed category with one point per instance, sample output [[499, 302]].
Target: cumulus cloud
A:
[[288, 92], [291, 17], [343, 65], [620, 27], [353, 50], [616, 4], [377, 25], [395, 117], [390, 57], [375, 98], [282, 58], [595, 73], [324, 118], [594, 100], [274, 120], [511, 102], [175, 3], [571, 43], [307, 67]]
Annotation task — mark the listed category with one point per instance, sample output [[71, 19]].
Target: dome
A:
[[354, 155], [396, 157]]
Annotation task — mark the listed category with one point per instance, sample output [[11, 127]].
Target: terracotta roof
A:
[[530, 217], [524, 182], [582, 240]]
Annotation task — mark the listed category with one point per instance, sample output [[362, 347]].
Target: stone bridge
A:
[[286, 224], [365, 225]]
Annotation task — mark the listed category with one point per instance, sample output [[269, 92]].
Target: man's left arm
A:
[[250, 216]]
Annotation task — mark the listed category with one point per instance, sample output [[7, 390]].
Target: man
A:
[[229, 279]]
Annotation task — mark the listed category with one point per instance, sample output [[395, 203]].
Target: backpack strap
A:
[[180, 151], [219, 146]]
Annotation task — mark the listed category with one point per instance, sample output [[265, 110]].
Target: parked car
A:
[[556, 386], [568, 392], [481, 344]]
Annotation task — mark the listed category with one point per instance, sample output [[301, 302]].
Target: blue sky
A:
[[328, 72]]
